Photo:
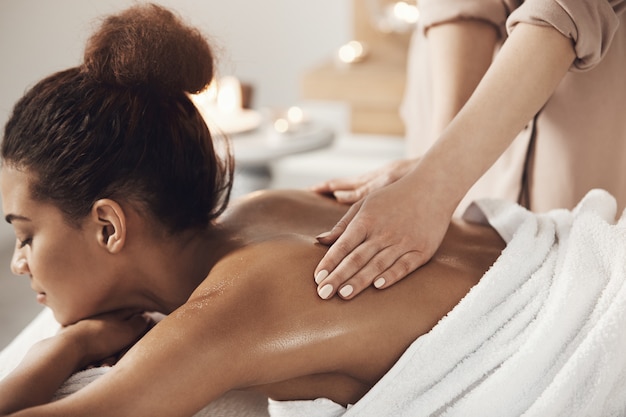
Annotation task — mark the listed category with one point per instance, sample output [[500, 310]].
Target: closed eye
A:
[[25, 242]]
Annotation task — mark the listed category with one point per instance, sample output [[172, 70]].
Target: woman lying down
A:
[[118, 199]]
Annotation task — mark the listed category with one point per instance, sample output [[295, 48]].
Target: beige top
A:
[[581, 131]]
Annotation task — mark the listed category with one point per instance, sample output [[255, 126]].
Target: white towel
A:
[[542, 334]]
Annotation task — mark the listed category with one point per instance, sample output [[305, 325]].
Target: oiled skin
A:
[[256, 321], [375, 327]]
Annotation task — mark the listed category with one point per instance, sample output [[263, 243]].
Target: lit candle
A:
[[221, 107], [229, 95]]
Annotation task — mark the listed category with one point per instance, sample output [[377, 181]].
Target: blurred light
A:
[[406, 12], [229, 94], [393, 17], [295, 115], [351, 52], [281, 125]]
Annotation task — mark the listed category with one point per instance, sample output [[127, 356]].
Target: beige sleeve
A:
[[591, 24], [433, 12]]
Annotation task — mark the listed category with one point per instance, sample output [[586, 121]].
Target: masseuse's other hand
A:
[[381, 239], [104, 336], [351, 189]]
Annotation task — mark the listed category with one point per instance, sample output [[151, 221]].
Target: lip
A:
[[41, 297]]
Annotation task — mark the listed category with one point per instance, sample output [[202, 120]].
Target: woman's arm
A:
[[373, 243], [525, 73], [44, 369], [460, 53], [52, 361]]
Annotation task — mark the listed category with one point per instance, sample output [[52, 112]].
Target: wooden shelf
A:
[[374, 87]]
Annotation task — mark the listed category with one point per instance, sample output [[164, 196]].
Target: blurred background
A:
[[340, 64]]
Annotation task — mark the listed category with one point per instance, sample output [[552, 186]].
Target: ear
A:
[[110, 221]]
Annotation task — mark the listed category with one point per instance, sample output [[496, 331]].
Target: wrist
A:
[[65, 350], [43, 370], [442, 186]]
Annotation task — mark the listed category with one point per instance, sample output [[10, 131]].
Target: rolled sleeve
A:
[[591, 24], [433, 12]]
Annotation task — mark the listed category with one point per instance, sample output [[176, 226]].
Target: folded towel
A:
[[542, 334]]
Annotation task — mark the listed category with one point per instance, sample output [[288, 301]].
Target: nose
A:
[[19, 263]]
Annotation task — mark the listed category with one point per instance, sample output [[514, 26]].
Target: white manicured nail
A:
[[346, 290], [325, 291], [379, 282], [321, 276], [343, 194]]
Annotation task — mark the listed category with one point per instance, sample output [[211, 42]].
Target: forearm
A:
[[523, 76], [460, 53], [46, 366]]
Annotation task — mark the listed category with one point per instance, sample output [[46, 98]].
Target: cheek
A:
[[68, 277], [54, 265]]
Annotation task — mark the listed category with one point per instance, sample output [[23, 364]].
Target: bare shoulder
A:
[[277, 211]]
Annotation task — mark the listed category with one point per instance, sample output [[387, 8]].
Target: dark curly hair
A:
[[122, 125]]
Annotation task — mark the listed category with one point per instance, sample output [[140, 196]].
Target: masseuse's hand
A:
[[351, 189], [382, 238], [103, 337]]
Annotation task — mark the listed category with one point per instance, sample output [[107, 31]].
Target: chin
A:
[[66, 318]]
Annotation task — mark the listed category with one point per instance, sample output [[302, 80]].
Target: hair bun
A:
[[149, 46]]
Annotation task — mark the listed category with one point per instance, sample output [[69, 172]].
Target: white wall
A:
[[266, 42]]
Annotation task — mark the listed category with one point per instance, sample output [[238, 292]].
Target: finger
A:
[[383, 270], [402, 267], [140, 323], [331, 236], [344, 245], [350, 265], [380, 261], [337, 184], [352, 196], [347, 197], [368, 186], [321, 188]]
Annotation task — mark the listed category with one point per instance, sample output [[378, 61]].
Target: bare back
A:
[[360, 339]]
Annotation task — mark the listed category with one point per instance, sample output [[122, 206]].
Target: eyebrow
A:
[[11, 217]]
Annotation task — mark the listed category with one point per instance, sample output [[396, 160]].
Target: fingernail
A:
[[340, 195], [346, 290], [325, 291], [379, 282], [321, 276], [322, 235]]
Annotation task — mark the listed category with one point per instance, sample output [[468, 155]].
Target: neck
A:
[[173, 268]]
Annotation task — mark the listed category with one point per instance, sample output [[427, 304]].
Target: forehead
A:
[[18, 203], [15, 189]]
